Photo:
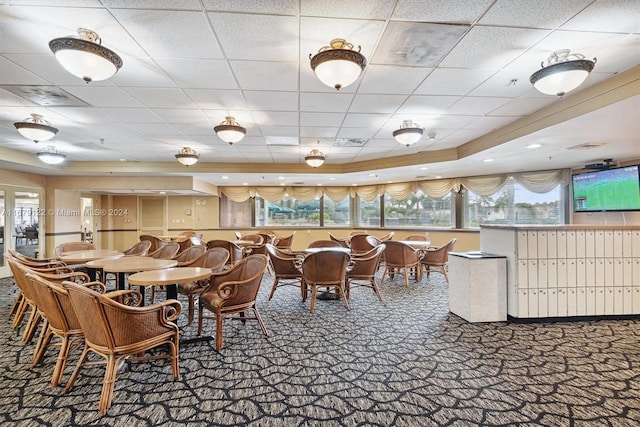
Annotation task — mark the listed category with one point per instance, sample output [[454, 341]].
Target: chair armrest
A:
[[96, 286], [171, 309], [75, 276], [129, 297]]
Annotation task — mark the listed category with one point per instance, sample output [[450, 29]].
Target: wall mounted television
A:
[[607, 190]]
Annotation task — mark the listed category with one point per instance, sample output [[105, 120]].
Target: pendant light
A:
[[230, 131], [315, 158], [338, 65], [564, 72], [50, 156], [85, 57], [409, 133], [188, 156], [36, 128]]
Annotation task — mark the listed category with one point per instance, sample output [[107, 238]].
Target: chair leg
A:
[[343, 296], [107, 385], [446, 276], [406, 276], [192, 308], [199, 317], [219, 322], [273, 288], [76, 370], [16, 304], [260, 322], [374, 285], [43, 342], [175, 351], [314, 294], [22, 311], [65, 346], [32, 325]]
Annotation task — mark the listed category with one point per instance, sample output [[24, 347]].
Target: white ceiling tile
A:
[[521, 107], [278, 7], [321, 119], [461, 11], [273, 75], [174, 115], [13, 74], [619, 16], [48, 68], [266, 37], [273, 101], [359, 9], [161, 97], [84, 115], [356, 132], [275, 118], [489, 123], [155, 32], [318, 132], [491, 47], [321, 102], [453, 81], [142, 72], [279, 130], [155, 128], [420, 104], [103, 96], [376, 103], [478, 106], [217, 99], [389, 79], [153, 4], [365, 120], [199, 73], [548, 14], [8, 99], [505, 83], [133, 115]]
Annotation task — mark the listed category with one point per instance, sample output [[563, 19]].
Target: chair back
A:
[[53, 300], [156, 242], [285, 242], [283, 263], [196, 240], [344, 242], [267, 237], [365, 266], [373, 241], [325, 244], [73, 246], [326, 267], [398, 254], [387, 236], [141, 248], [359, 244], [249, 272], [439, 256], [189, 255], [214, 258], [236, 253], [168, 251], [255, 238], [417, 237]]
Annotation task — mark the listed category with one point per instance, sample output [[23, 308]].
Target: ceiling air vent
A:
[[587, 146], [45, 96], [350, 142]]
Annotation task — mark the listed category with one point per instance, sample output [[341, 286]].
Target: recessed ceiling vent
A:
[[350, 142], [606, 164], [587, 146], [45, 96]]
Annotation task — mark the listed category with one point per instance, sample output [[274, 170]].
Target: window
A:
[[235, 214], [419, 210], [337, 213], [513, 204], [368, 212], [288, 212]]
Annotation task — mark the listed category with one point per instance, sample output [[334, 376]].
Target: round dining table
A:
[[169, 277], [80, 257], [328, 248], [130, 264]]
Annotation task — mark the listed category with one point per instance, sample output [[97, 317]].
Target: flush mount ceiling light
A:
[[315, 158], [36, 128], [188, 156], [564, 72], [50, 156], [85, 57], [338, 65], [230, 131], [409, 133]]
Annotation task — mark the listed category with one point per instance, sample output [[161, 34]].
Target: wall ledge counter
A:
[[561, 227]]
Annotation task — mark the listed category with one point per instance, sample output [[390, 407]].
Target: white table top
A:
[[169, 276], [324, 249], [75, 257], [132, 264]]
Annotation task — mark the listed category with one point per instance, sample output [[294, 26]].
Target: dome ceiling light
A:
[[188, 156], [230, 131], [85, 57], [338, 65], [564, 72], [36, 128], [409, 133], [50, 156], [315, 158]]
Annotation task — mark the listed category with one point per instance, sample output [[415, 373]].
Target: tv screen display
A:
[[607, 190]]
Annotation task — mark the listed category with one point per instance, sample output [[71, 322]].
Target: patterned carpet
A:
[[402, 362]]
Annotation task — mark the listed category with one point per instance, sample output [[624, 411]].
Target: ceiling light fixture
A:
[[409, 133], [338, 65], [187, 156], [36, 128], [50, 156], [85, 57], [315, 158], [230, 131], [564, 72]]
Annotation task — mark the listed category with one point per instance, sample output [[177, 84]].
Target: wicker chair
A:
[[285, 270], [116, 331], [417, 237], [364, 269], [400, 256], [325, 244], [215, 259], [73, 246], [387, 236], [284, 243], [344, 242], [168, 251], [437, 259], [233, 292], [326, 269], [360, 245], [187, 257], [140, 248], [156, 242], [236, 253]]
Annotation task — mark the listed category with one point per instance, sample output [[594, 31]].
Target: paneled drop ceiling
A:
[[459, 68]]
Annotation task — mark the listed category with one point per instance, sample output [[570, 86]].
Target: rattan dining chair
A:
[[437, 259], [325, 269], [400, 257], [285, 270], [364, 269]]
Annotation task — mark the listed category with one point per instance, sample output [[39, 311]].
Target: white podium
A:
[[478, 286]]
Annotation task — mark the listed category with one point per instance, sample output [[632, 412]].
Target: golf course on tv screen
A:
[[607, 190]]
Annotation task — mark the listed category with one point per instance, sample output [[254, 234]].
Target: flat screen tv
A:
[[607, 190]]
